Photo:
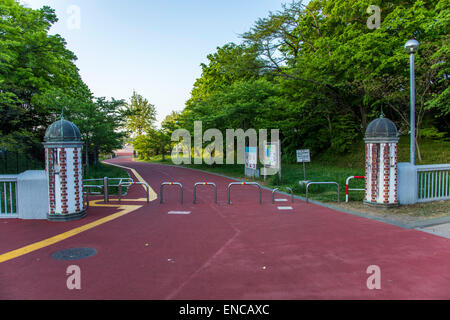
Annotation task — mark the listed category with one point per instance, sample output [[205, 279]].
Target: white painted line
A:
[[179, 212], [285, 208], [281, 200]]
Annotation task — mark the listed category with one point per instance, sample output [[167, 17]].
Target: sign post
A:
[[304, 156]]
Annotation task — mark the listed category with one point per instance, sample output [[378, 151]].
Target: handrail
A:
[[243, 184], [347, 188], [331, 182], [170, 184], [277, 189], [8, 177], [205, 184], [87, 193], [433, 167]]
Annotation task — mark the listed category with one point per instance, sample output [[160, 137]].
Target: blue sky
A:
[[152, 46]]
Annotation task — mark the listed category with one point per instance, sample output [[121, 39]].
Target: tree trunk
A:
[[87, 157], [95, 157]]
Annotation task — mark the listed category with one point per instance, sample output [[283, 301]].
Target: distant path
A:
[[239, 251]]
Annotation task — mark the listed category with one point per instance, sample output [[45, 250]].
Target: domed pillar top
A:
[[63, 165]]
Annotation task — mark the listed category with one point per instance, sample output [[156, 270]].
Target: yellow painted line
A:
[[153, 194], [100, 202], [125, 209]]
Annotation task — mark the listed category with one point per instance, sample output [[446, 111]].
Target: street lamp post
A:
[[411, 47]]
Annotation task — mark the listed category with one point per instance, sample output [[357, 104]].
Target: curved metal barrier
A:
[[131, 184], [87, 193], [277, 189], [347, 188], [332, 182], [170, 184], [106, 184], [205, 184], [243, 184]]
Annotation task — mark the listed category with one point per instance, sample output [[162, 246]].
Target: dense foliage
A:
[[319, 74], [38, 79]]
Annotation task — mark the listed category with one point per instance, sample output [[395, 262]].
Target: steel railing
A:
[[347, 189], [331, 182], [8, 195], [205, 184], [104, 185], [128, 184], [277, 189], [170, 184], [243, 184], [433, 182]]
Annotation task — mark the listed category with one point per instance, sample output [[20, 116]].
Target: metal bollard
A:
[[244, 184], [287, 188], [205, 184], [331, 182], [170, 184], [105, 189]]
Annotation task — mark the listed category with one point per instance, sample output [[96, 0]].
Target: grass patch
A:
[[101, 170], [406, 213]]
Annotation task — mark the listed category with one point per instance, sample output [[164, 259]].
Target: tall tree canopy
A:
[[38, 78], [320, 74], [140, 114]]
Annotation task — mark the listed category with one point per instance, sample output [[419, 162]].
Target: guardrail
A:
[[170, 184], [87, 193], [243, 184], [277, 189], [105, 185], [8, 196], [331, 182], [205, 184], [433, 182], [347, 188]]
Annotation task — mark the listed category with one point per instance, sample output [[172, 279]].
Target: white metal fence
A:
[[433, 182], [8, 196]]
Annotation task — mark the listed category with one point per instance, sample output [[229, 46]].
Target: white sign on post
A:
[[303, 156]]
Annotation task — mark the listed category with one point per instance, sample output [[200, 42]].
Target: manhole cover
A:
[[74, 254]]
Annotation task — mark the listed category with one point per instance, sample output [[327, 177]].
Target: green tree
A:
[[140, 114], [32, 63]]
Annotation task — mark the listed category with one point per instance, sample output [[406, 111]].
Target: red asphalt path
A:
[[239, 251]]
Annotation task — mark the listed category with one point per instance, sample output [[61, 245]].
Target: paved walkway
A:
[[208, 251]]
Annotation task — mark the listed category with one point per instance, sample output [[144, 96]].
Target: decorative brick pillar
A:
[[64, 170], [381, 163], [77, 182]]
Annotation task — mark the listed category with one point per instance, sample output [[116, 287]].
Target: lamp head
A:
[[412, 46]]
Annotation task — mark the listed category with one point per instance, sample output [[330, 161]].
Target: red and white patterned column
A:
[[63, 180], [381, 174], [76, 176], [374, 173], [51, 179]]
